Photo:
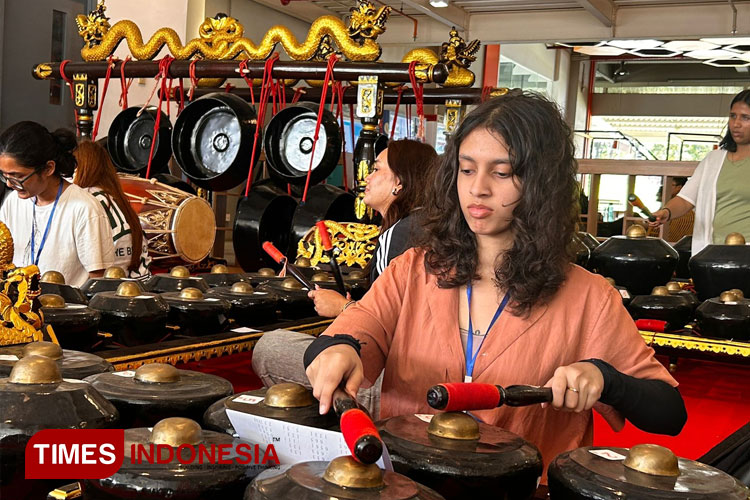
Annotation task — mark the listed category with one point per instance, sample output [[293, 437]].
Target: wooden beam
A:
[[637, 167], [603, 10]]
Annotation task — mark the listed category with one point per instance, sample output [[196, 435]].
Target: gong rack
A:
[[375, 76]]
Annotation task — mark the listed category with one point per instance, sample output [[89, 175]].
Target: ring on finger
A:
[[572, 389]]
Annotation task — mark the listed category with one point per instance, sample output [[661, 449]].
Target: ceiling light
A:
[[738, 47], [657, 52], [439, 3], [580, 44], [635, 44], [711, 54], [622, 71], [727, 41], [727, 63], [600, 51], [689, 45]]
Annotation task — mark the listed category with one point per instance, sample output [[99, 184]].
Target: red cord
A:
[[124, 84], [486, 92], [164, 64], [72, 93], [297, 94], [244, 71], [329, 74], [419, 96], [228, 88], [395, 114], [110, 65], [181, 106], [193, 79], [408, 121], [264, 91]]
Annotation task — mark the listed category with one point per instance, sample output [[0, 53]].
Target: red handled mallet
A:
[[473, 396], [325, 239], [359, 431], [276, 255]]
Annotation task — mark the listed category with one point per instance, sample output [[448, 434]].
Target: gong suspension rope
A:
[[124, 85], [194, 80], [486, 90], [395, 113], [244, 71], [72, 93], [110, 65], [160, 78], [329, 74], [418, 89], [264, 91]]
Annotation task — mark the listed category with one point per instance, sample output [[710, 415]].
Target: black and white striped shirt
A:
[[393, 242]]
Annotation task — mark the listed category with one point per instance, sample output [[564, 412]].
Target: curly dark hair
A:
[[541, 154]]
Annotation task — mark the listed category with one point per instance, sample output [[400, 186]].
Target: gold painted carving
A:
[[360, 209], [455, 53], [221, 37], [158, 219], [355, 241], [452, 115], [42, 70], [688, 343]]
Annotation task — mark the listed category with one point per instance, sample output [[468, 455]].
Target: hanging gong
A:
[[213, 140], [289, 144], [324, 202], [264, 215], [72, 364], [461, 458], [130, 137], [645, 472], [156, 390]]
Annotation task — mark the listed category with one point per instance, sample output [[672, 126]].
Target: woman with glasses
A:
[[55, 224]]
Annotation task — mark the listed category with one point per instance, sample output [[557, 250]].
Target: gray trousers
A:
[[278, 358]]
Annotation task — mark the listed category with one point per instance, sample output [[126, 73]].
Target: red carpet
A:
[[717, 398], [236, 368]]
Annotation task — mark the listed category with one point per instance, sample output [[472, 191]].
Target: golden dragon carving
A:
[[355, 241], [456, 54], [221, 37], [19, 290]]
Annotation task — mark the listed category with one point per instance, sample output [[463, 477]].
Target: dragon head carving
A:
[[93, 27], [367, 22], [221, 28], [456, 52]]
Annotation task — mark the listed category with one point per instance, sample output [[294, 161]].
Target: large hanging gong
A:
[[130, 137], [213, 140], [289, 144], [264, 215]]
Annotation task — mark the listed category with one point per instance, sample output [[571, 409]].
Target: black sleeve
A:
[[403, 237], [651, 405], [323, 342]]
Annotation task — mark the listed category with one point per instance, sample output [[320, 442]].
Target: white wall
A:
[[551, 64], [149, 15]]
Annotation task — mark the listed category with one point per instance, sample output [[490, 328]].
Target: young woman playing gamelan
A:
[[491, 296]]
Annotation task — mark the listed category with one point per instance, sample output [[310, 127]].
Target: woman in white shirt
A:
[[97, 174], [55, 225]]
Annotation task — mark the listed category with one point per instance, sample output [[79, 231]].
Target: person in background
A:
[[719, 189], [97, 174], [489, 295], [396, 188], [55, 225]]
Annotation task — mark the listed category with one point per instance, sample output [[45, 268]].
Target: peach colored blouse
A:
[[409, 326]]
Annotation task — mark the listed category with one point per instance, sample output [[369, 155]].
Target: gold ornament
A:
[[456, 54], [355, 241], [221, 38]]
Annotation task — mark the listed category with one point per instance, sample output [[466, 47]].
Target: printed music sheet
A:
[[294, 443]]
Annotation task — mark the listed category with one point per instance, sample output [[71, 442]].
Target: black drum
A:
[[213, 141], [324, 202], [130, 137], [289, 144], [265, 215]]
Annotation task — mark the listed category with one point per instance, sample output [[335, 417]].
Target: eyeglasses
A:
[[14, 182]]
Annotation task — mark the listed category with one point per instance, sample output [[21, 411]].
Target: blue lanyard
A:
[[471, 356], [35, 258]]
